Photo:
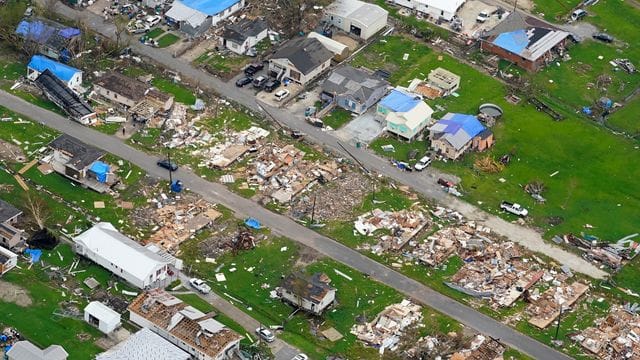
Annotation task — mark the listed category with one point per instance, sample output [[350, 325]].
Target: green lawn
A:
[[167, 40], [402, 148], [627, 119], [337, 118], [554, 10], [154, 33], [227, 64], [181, 93]]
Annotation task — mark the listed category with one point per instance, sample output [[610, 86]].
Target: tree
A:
[[49, 7], [120, 22], [10, 15], [37, 208]]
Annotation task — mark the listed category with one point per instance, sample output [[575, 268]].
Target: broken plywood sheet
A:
[[331, 334], [45, 169], [98, 204], [546, 309]]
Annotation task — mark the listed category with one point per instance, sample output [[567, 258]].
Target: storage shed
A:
[[101, 316]]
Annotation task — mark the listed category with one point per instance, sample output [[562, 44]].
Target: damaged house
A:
[[454, 134], [546, 308], [143, 345], [403, 226], [352, 89], [525, 41], [66, 99], [191, 330], [616, 336], [385, 330], [71, 76], [312, 294], [51, 39], [141, 266], [244, 35], [8, 260], [440, 82], [10, 237], [301, 60], [81, 163]]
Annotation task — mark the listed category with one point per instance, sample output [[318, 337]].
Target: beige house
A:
[[454, 134], [8, 260], [300, 60], [120, 89], [10, 237]]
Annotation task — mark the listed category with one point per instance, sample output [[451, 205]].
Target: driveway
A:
[[364, 129]]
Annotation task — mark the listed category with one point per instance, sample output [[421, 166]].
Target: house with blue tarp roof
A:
[[455, 133], [54, 40], [69, 75], [194, 17], [526, 41], [405, 114]]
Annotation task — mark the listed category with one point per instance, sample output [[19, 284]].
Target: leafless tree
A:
[[10, 15], [49, 7], [120, 22], [37, 208]]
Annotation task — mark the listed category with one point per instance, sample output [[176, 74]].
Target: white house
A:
[[243, 35], [102, 317], [144, 345], [310, 294], [301, 60], [71, 76], [356, 17], [8, 260], [437, 9], [136, 264], [194, 17], [405, 114]]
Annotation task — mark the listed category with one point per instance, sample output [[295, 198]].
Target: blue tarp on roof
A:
[[40, 31], [101, 170], [514, 41], [61, 71], [468, 123], [210, 7], [398, 101]]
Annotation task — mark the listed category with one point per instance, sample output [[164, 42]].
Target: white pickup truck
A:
[[515, 209]]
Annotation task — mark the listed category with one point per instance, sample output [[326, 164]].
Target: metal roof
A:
[[102, 312], [181, 12], [62, 95], [530, 43], [25, 350], [209, 7], [144, 345]]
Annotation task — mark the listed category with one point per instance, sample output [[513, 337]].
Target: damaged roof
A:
[[313, 289], [62, 95], [123, 85], [243, 29], [348, 80], [82, 155], [306, 54], [8, 211], [458, 129]]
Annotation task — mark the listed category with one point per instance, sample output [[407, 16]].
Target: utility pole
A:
[[169, 159], [558, 325], [313, 208]]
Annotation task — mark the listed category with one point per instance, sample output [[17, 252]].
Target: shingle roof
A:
[[457, 129], [305, 54], [8, 211], [123, 85], [347, 80], [240, 31], [83, 154], [313, 289], [25, 350]]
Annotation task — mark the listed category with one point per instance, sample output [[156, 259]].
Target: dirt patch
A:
[[14, 294], [307, 256], [11, 152]]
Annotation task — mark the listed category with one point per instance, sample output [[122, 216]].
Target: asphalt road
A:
[[424, 182], [282, 225]]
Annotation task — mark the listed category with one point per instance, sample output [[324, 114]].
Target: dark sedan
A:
[[244, 81]]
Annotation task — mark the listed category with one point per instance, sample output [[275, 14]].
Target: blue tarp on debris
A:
[[252, 223], [101, 170], [176, 186], [61, 71], [210, 7], [514, 41], [398, 101], [35, 254]]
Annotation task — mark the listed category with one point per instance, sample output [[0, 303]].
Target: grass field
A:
[[337, 118], [154, 33], [554, 10], [181, 92], [626, 119], [227, 64], [583, 154], [167, 40]]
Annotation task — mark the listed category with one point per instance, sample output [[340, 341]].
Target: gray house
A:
[[25, 350], [353, 89], [10, 237]]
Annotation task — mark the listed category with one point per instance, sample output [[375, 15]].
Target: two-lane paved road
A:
[[284, 226]]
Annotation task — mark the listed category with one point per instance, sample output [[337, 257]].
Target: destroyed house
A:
[[184, 326], [141, 266], [10, 237], [120, 89], [353, 89], [54, 40], [8, 260], [456, 133], [71, 76], [243, 35], [387, 327], [312, 294], [144, 345], [80, 162], [195, 17], [442, 83], [525, 41], [25, 350], [300, 60], [60, 94], [436, 9]]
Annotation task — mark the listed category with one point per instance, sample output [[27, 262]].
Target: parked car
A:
[[259, 82], [153, 20], [446, 183], [137, 27], [300, 357], [169, 165], [310, 111], [422, 163], [515, 209], [603, 37], [265, 334], [482, 16], [296, 134], [244, 81], [251, 69], [281, 94], [578, 14], [271, 85], [200, 285], [28, 12]]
